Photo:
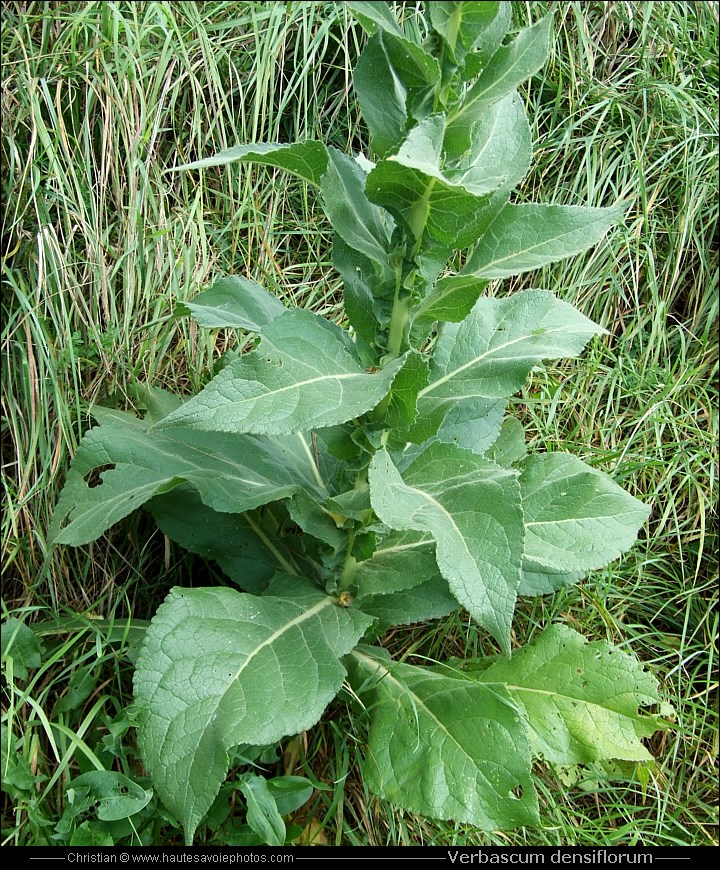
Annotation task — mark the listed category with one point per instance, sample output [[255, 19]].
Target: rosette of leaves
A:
[[387, 442]]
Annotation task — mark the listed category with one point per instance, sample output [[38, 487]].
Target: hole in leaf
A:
[[94, 478], [650, 709], [517, 792]]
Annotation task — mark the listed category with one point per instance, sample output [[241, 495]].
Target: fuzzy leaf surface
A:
[[233, 302], [509, 66], [300, 377], [461, 23], [416, 68], [306, 160], [382, 95], [501, 142], [529, 235], [367, 297], [488, 42], [509, 447], [475, 424], [576, 517], [220, 668], [452, 300], [500, 145], [362, 225], [471, 507], [429, 599], [581, 699], [231, 473], [444, 747], [401, 560], [311, 516], [538, 579], [411, 378], [490, 354]]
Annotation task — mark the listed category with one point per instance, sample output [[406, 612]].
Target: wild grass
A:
[[99, 242]]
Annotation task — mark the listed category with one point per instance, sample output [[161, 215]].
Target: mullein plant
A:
[[388, 443]]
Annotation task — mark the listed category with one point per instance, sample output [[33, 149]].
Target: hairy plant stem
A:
[[349, 565], [396, 335], [398, 318], [419, 214]]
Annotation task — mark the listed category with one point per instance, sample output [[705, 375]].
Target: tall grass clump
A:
[[99, 243]]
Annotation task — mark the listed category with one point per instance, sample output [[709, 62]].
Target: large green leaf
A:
[[414, 65], [233, 302], [471, 506], [231, 473], [576, 517], [362, 225], [461, 24], [452, 300], [366, 296], [220, 668], [236, 541], [401, 560], [500, 145], [430, 599], [444, 747], [474, 423], [527, 236], [490, 354], [307, 160], [381, 94], [509, 66], [581, 699], [300, 377], [412, 185]]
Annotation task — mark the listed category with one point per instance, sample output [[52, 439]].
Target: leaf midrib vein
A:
[[404, 689], [512, 688], [293, 386], [299, 619], [525, 251], [482, 356]]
